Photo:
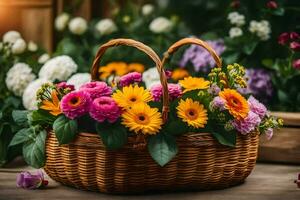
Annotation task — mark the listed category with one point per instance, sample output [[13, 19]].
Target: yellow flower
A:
[[52, 106], [235, 103], [113, 68], [193, 83], [192, 112], [179, 74], [131, 95], [136, 67], [141, 118]]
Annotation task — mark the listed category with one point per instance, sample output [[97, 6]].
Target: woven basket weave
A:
[[201, 163]]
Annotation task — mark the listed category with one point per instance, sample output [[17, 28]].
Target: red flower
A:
[[294, 36], [283, 38], [295, 46], [272, 5], [235, 4], [296, 65]]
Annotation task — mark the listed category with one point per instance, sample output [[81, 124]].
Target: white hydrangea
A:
[[161, 25], [43, 58], [32, 46], [261, 29], [11, 37], [18, 77], [29, 95], [106, 26], [151, 77], [18, 47], [236, 18], [78, 26], [79, 79], [58, 68], [61, 21], [147, 9], [235, 32]]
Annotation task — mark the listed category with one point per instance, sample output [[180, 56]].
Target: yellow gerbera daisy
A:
[[113, 68], [136, 67], [131, 95], [193, 83], [236, 104], [179, 74], [141, 118], [192, 112]]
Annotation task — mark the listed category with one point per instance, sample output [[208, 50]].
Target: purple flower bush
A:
[[200, 58]]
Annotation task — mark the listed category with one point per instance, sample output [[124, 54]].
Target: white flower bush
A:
[[11, 37], [106, 26], [29, 95], [61, 21], [236, 18], [18, 77], [58, 68], [43, 58], [79, 79], [151, 77], [235, 32], [18, 47], [161, 25], [261, 29], [78, 26], [147, 9], [32, 46]]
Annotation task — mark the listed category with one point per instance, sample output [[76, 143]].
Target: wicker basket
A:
[[202, 163]]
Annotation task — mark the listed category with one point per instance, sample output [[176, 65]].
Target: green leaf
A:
[[282, 96], [267, 62], [225, 138], [113, 136], [65, 129], [230, 57], [41, 117], [34, 150], [249, 48], [176, 127], [162, 148], [278, 12], [21, 136], [20, 117]]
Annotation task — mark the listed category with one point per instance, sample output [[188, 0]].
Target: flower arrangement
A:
[[128, 110]]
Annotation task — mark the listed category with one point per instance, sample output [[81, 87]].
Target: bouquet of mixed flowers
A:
[[127, 109]]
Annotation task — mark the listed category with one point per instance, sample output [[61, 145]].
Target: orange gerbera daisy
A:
[[52, 106], [235, 103], [136, 67], [179, 74], [113, 68]]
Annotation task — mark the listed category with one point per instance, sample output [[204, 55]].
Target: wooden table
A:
[[267, 182]]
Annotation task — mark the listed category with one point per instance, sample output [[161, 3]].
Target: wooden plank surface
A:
[[267, 182], [284, 147]]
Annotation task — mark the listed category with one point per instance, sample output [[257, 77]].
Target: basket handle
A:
[[147, 50], [172, 49]]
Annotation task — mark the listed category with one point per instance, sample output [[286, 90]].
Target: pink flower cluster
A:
[[174, 91], [218, 103], [130, 78], [93, 98]]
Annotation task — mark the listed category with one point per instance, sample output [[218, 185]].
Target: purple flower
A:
[[297, 181], [200, 57], [130, 78], [218, 103], [269, 133], [96, 89], [105, 108], [257, 107], [214, 89], [30, 181], [174, 91], [75, 104], [247, 124], [64, 85], [259, 84]]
